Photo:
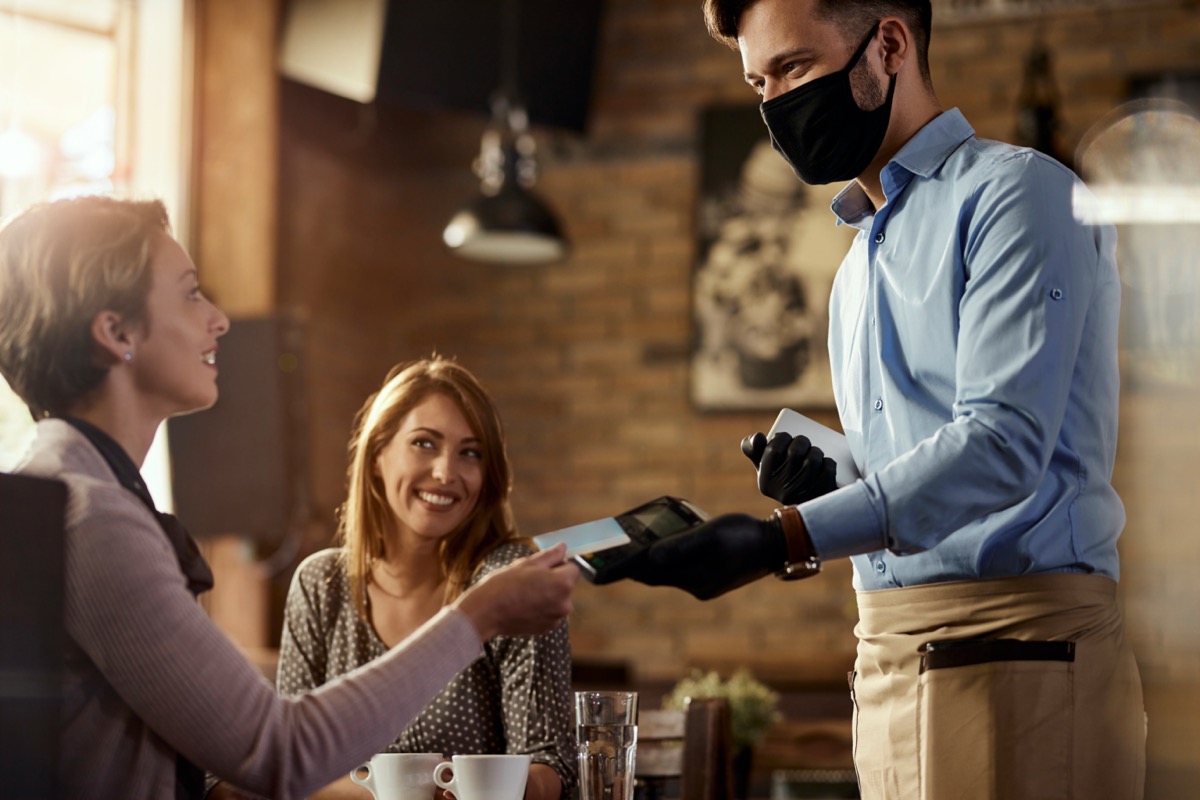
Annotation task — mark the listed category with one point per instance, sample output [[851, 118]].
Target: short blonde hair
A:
[[366, 515], [61, 264]]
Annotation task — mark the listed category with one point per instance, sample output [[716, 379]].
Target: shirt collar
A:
[[929, 148], [118, 460], [922, 155]]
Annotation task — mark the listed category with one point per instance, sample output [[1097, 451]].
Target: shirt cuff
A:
[[843, 523]]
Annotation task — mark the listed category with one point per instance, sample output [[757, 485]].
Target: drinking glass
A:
[[606, 735]]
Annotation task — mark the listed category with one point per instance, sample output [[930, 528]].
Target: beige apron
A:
[[1056, 714]]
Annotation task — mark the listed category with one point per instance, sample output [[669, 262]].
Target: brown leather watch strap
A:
[[802, 556]]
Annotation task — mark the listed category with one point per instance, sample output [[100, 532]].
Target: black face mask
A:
[[821, 132]]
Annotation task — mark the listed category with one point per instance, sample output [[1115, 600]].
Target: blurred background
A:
[[314, 154]]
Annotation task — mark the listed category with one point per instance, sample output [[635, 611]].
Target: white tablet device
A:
[[832, 443]]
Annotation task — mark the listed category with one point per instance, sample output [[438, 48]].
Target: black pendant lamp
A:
[[508, 223]]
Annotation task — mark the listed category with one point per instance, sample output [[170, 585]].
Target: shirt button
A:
[[879, 237], [879, 404], [880, 567], [1056, 294]]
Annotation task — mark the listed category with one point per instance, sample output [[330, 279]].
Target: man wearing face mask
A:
[[973, 344]]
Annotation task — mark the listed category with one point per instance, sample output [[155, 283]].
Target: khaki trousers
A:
[[997, 721]]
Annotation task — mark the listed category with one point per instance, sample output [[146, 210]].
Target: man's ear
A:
[[897, 42], [111, 337]]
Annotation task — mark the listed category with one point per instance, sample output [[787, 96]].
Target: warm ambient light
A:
[[20, 154], [508, 223], [1142, 165], [1143, 205]]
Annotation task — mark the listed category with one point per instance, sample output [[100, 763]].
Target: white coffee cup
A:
[[484, 777], [399, 776]]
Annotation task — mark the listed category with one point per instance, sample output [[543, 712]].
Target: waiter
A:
[[973, 345]]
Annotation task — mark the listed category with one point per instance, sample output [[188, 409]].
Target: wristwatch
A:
[[802, 561]]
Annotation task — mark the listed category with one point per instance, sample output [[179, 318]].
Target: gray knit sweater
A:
[[148, 674]]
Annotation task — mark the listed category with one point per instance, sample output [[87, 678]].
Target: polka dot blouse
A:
[[515, 699]]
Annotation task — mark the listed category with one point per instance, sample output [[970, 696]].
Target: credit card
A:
[[590, 537]]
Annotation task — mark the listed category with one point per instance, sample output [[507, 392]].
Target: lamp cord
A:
[[509, 47]]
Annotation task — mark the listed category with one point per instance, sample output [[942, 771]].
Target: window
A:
[[94, 97]]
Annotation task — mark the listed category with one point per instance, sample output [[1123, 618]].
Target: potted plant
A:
[[753, 709]]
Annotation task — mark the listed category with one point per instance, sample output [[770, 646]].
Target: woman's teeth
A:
[[435, 499]]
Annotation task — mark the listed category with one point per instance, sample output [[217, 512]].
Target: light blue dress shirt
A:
[[973, 340]]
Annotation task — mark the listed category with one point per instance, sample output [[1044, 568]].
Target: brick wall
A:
[[588, 359]]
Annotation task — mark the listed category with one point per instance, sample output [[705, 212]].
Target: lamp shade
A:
[[512, 226]]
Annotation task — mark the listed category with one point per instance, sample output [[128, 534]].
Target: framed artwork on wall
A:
[[767, 251]]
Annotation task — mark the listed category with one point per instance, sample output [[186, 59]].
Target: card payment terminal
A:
[[642, 526]]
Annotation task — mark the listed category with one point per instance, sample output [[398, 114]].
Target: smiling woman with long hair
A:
[[104, 333], [427, 516]]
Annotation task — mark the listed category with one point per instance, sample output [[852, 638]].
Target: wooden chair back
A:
[[693, 747]]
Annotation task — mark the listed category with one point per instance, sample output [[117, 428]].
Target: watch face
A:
[[658, 519]]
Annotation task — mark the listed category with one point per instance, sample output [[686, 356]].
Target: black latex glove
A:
[[715, 557], [790, 470]]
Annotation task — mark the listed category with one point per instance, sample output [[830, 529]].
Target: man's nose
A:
[[772, 89]]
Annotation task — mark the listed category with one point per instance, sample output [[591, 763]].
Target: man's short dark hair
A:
[[854, 17]]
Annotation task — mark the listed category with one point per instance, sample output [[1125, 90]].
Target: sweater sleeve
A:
[[129, 609]]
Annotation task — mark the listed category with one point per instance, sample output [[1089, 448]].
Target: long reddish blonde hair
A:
[[366, 514]]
